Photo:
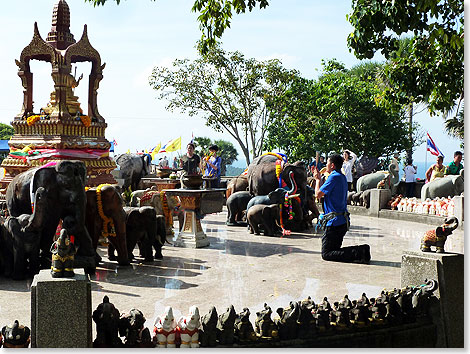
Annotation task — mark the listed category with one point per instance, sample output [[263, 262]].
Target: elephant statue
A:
[[131, 326], [168, 206], [21, 239], [349, 198], [63, 251], [106, 317], [438, 237], [306, 321], [264, 217], [244, 330], [275, 197], [188, 328], [64, 184], [136, 195], [264, 325], [443, 187], [225, 326], [287, 321], [144, 226], [105, 216], [164, 329], [133, 167], [364, 198], [356, 198], [237, 184], [311, 206], [370, 181], [236, 204], [16, 336], [208, 333]]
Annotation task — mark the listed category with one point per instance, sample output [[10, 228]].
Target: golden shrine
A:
[[60, 130]]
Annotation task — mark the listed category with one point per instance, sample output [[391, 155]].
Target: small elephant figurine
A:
[[208, 334], [264, 216], [322, 315], [264, 325], [356, 198], [16, 336], [225, 326], [188, 328], [236, 204], [361, 312], [287, 321], [63, 252], [164, 329], [106, 317], [306, 320], [438, 237], [244, 331], [131, 326]]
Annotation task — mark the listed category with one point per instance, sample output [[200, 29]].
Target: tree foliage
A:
[[227, 90], [227, 151], [214, 16], [432, 71], [337, 111], [6, 131]]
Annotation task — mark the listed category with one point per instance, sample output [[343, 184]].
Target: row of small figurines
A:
[[300, 320], [437, 206]]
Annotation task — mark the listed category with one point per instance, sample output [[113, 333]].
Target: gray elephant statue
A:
[[136, 195], [443, 187], [364, 198], [133, 167], [438, 237], [142, 226], [264, 217], [264, 325], [287, 322], [208, 331], [356, 198], [158, 200], [236, 204], [390, 179], [275, 197], [64, 184], [226, 325], [21, 239]]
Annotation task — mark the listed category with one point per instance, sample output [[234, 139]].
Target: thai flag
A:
[[114, 142], [432, 148]]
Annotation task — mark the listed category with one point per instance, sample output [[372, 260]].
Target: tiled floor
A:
[[245, 270]]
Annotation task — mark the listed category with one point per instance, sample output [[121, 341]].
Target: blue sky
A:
[[137, 35]]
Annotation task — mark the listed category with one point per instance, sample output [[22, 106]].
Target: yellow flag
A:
[[155, 150], [174, 145], [128, 151], [146, 151]]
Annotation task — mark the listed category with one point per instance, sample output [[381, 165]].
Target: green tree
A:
[[433, 69], [226, 89], [214, 16], [6, 131], [227, 151], [337, 111]]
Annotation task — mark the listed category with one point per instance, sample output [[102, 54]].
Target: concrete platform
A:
[[244, 270]]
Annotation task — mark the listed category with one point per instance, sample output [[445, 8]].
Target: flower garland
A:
[[106, 221], [86, 121], [166, 209], [290, 213], [33, 119]]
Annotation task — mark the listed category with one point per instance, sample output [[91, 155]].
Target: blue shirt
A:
[[210, 172], [336, 194]]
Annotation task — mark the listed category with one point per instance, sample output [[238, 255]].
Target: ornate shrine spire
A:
[[60, 36]]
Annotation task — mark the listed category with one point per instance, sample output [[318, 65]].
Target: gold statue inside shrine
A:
[[72, 104]]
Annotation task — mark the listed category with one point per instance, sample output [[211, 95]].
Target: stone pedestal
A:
[[378, 200], [448, 270], [61, 311], [459, 209]]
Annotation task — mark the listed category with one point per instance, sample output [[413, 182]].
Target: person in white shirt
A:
[[410, 178], [349, 158]]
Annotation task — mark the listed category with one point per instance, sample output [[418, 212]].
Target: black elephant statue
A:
[[106, 317], [236, 204], [16, 336], [438, 237], [64, 184], [63, 252], [105, 217], [237, 184], [208, 331], [244, 330], [306, 321], [145, 227], [133, 167], [287, 322], [131, 326], [356, 198], [364, 198], [264, 325], [276, 196], [225, 326], [21, 240], [264, 217]]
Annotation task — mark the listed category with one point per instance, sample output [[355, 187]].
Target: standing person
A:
[[349, 158], [321, 164], [410, 178], [212, 168], [190, 161], [175, 163], [437, 170], [164, 162], [335, 219], [455, 166]]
